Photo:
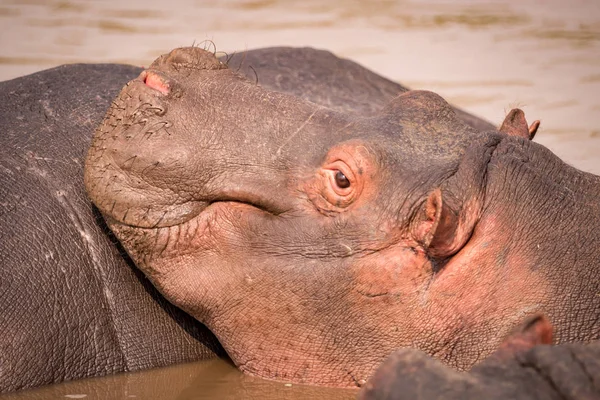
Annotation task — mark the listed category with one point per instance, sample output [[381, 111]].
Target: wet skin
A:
[[314, 242]]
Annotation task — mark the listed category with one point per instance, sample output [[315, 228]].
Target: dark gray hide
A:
[[564, 372], [321, 77], [72, 304]]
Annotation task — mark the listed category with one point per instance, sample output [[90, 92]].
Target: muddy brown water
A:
[[209, 380], [487, 57]]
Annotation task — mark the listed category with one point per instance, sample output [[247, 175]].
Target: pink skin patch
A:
[[156, 82]]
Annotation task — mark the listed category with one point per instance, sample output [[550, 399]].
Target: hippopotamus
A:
[[315, 241], [72, 303], [524, 367]]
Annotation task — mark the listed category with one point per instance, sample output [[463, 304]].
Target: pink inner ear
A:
[[534, 331], [156, 82]]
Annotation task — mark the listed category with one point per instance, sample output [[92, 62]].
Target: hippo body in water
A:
[[72, 305], [71, 302], [524, 367], [314, 241]]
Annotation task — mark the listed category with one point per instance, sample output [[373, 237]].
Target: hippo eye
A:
[[341, 180]]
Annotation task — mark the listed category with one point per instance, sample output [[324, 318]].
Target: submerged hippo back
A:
[[71, 305], [323, 78]]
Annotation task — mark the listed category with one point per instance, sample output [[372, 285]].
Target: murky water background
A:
[[541, 55], [487, 57], [211, 380]]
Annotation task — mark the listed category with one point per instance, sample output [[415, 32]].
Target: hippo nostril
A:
[[156, 82]]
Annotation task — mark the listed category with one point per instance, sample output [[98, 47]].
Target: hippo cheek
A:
[[390, 288], [480, 298], [393, 272], [278, 314], [201, 263]]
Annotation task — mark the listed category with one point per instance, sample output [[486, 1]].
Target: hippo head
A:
[[309, 241]]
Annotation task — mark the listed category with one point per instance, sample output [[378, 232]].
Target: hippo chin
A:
[[314, 242]]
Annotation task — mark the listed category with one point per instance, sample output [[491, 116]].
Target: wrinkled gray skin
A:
[[315, 241], [71, 303], [562, 372]]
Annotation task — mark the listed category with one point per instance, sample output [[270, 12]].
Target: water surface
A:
[[206, 380], [540, 55]]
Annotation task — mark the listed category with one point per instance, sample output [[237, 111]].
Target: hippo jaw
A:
[[229, 198]]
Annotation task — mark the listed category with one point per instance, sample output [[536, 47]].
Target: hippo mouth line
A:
[[201, 210]]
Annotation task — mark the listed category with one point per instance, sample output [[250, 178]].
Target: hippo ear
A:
[[441, 229], [535, 330], [450, 213], [515, 124]]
